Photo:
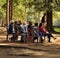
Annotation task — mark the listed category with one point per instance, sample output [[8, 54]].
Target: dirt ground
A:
[[33, 50]]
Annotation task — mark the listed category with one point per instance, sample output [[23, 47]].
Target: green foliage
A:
[[21, 8], [56, 14], [2, 10], [57, 29], [30, 7]]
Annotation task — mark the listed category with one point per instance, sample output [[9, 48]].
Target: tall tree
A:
[[48, 6], [49, 16], [10, 9], [7, 12]]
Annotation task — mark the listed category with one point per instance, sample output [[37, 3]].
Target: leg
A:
[[41, 39], [37, 39], [49, 39], [33, 39], [52, 36], [7, 37], [48, 35], [24, 38], [13, 37]]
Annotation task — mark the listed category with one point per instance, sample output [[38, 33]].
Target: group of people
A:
[[28, 32]]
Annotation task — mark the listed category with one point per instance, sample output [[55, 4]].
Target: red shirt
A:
[[42, 29]]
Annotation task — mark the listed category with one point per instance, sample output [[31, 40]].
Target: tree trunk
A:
[[7, 13], [49, 17], [49, 21], [10, 9]]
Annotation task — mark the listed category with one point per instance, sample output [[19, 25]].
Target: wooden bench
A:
[[40, 35]]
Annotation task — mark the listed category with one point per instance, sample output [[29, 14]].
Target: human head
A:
[[30, 23], [12, 21], [24, 23], [19, 22], [40, 25], [36, 24], [45, 16], [15, 22]]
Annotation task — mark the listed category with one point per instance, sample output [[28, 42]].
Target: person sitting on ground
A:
[[42, 29]]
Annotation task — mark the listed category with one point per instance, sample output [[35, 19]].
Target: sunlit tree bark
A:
[[7, 13]]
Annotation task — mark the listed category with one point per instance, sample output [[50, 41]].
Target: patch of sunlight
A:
[[57, 29]]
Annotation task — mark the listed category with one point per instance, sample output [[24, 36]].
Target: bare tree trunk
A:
[[7, 13], [49, 21], [10, 9], [49, 18]]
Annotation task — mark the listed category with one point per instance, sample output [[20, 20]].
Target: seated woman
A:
[[42, 29], [29, 32], [35, 32]]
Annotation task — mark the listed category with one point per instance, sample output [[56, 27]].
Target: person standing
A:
[[44, 18]]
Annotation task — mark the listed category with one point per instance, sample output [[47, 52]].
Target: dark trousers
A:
[[49, 35], [35, 39], [41, 39], [13, 37]]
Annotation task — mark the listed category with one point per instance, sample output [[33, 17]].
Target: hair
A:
[[43, 18], [30, 23], [15, 22], [36, 24], [45, 14], [19, 22], [40, 25]]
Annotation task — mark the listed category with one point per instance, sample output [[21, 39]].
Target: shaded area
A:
[[46, 51]]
